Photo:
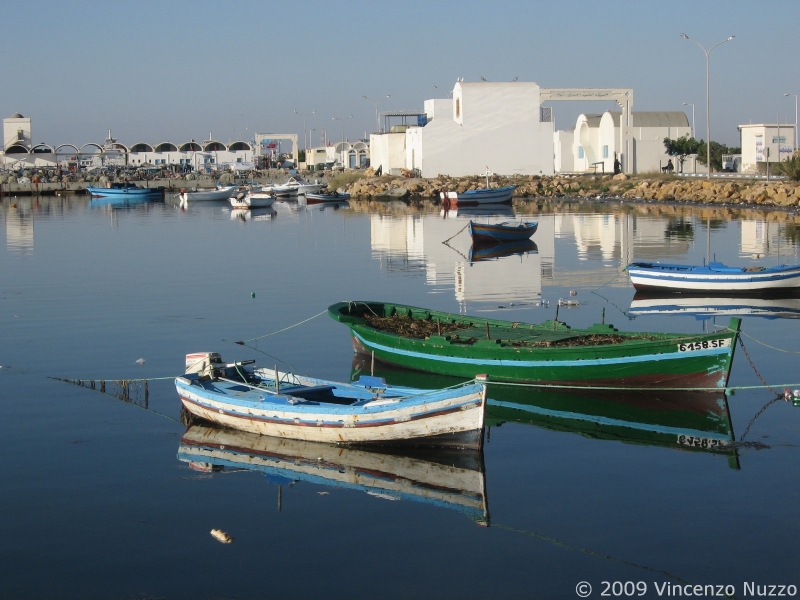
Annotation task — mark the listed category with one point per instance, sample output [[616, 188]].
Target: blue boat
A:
[[293, 406], [495, 233], [321, 197], [125, 190], [487, 195], [714, 278]]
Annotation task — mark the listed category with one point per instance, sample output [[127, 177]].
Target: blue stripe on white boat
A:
[[546, 363], [608, 421]]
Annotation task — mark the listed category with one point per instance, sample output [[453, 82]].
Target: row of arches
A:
[[91, 147]]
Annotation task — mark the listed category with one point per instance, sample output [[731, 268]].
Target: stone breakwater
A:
[[780, 193]]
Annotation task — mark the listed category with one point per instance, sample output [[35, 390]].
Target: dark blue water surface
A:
[[97, 504]]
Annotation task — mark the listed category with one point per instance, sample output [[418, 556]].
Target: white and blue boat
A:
[[292, 406], [713, 278], [324, 196], [487, 195]]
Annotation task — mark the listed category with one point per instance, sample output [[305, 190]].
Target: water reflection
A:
[[496, 251], [253, 214], [448, 479], [701, 307], [698, 421]]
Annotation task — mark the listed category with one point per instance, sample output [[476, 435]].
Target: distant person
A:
[[670, 166], [617, 166]]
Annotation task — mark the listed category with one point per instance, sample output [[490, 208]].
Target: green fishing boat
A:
[[549, 353]]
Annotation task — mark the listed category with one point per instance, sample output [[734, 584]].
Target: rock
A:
[[620, 177]]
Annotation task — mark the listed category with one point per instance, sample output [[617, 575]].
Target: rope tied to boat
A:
[[455, 234], [242, 342]]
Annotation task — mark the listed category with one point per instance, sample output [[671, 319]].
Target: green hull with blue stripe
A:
[[549, 353]]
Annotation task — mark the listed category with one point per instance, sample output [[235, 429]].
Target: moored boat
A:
[[495, 233], [714, 277], [304, 408], [549, 353], [320, 197], [301, 185], [449, 479], [125, 190], [252, 200], [487, 195], [207, 195]]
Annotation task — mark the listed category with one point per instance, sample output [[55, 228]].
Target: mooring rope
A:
[[455, 234], [768, 346], [242, 342]]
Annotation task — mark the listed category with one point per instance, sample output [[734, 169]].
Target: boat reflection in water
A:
[[253, 214], [488, 210], [494, 251], [684, 420], [703, 307], [451, 479]]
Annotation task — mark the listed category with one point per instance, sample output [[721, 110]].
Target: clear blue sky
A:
[[173, 70]]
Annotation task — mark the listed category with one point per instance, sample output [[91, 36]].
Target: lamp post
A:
[[795, 119], [305, 146], [377, 118], [708, 118], [692, 105], [341, 148]]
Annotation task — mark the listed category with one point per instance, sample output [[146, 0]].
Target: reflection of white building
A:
[[413, 243], [19, 227]]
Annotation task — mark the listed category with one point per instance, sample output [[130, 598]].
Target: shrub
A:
[[790, 167], [345, 178]]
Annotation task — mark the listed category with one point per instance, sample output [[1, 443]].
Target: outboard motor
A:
[[208, 365]]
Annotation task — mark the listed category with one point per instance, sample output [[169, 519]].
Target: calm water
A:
[[100, 500]]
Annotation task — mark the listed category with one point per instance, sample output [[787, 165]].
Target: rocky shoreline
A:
[[781, 193]]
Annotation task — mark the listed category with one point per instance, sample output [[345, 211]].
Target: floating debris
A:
[[221, 536], [570, 303], [141, 361], [573, 292]]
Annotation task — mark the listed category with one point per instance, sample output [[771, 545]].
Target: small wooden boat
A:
[[252, 200], [495, 233], [207, 195], [125, 190], [546, 353], [320, 197], [304, 408], [714, 277], [487, 195], [301, 185], [452, 479]]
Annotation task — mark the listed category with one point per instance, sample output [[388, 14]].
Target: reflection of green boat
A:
[[445, 478], [545, 353], [676, 419]]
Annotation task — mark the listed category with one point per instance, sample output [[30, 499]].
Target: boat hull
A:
[[494, 233], [501, 195], [216, 194], [123, 193], [253, 201], [648, 360], [451, 417], [655, 277], [322, 198]]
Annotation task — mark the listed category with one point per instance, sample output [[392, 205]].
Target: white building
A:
[[762, 144], [496, 125], [595, 141], [202, 156]]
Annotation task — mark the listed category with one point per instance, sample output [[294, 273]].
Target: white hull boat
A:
[[209, 195], [713, 278], [252, 200]]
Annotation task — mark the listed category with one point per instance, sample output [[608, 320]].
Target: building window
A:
[[458, 108], [778, 140], [580, 152], [605, 151]]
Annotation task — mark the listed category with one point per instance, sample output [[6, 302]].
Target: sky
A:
[[177, 70]]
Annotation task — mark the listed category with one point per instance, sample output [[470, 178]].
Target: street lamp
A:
[[377, 118], [305, 146], [795, 119], [708, 118], [341, 148], [692, 105]]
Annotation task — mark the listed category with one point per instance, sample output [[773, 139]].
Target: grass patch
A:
[[346, 178]]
